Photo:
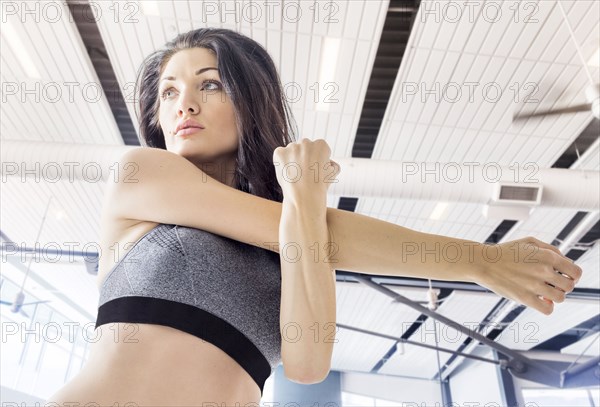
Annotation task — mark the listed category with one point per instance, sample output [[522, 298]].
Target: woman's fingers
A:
[[537, 279], [567, 269], [543, 305], [552, 293], [302, 169], [558, 280], [561, 263], [538, 302]]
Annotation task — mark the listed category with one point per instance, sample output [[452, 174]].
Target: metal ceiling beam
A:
[[591, 294], [579, 231], [96, 50], [540, 371], [420, 344]]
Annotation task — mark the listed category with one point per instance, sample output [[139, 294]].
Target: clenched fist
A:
[[304, 170]]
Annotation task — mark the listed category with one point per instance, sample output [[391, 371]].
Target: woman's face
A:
[[190, 89]]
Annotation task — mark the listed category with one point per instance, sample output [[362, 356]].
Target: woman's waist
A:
[[156, 356], [121, 386]]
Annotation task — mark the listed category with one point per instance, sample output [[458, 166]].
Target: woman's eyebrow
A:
[[198, 72]]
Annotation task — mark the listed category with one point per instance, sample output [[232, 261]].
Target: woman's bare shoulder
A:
[[164, 187]]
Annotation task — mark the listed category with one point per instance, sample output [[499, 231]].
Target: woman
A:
[[232, 266]]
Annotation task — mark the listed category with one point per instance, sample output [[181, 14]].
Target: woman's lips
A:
[[187, 131]]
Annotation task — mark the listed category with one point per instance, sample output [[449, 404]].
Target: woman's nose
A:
[[188, 105]]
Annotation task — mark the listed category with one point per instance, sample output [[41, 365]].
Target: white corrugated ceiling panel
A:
[[443, 106], [543, 223], [292, 32], [590, 264], [467, 309], [464, 221], [532, 327], [56, 96], [73, 215], [589, 346], [365, 308]]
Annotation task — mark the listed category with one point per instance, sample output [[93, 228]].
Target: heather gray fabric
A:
[[237, 282]]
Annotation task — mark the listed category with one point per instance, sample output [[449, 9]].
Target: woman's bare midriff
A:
[[153, 365]]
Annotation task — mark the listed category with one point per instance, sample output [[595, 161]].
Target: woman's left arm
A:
[[308, 296]]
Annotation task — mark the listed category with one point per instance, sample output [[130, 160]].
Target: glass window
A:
[[387, 403], [557, 397], [37, 345], [356, 400], [595, 393], [52, 376]]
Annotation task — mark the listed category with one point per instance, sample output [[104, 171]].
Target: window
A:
[[357, 400], [559, 397], [39, 354]]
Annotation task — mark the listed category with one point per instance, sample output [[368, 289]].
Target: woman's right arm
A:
[[159, 186], [164, 187]]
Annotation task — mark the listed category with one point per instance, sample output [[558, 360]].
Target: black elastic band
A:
[[194, 321]]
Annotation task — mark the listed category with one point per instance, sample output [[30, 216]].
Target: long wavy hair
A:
[[264, 118]]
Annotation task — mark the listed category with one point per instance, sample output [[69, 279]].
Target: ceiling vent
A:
[[518, 194], [513, 201]]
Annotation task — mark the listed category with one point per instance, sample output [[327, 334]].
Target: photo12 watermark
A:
[[70, 331], [69, 171], [472, 92], [125, 12], [207, 11], [515, 331], [72, 92], [449, 11]]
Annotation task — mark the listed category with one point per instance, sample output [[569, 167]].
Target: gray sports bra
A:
[[218, 289]]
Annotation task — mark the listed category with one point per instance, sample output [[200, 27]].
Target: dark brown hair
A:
[[264, 119]]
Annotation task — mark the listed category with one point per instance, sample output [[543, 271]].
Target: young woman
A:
[[231, 270]]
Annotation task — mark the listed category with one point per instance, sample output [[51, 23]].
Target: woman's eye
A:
[[211, 85], [164, 95]]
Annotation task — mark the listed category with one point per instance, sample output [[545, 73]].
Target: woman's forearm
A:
[[367, 245], [308, 294]]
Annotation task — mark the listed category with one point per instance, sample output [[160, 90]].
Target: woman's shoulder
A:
[[149, 156], [150, 181]]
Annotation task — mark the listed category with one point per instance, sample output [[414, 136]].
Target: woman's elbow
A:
[[305, 376]]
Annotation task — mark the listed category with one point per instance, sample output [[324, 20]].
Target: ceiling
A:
[[394, 61]]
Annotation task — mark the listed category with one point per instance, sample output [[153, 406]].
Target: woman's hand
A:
[[528, 271], [305, 171]]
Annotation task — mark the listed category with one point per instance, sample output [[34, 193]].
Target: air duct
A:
[[360, 177], [32, 160]]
